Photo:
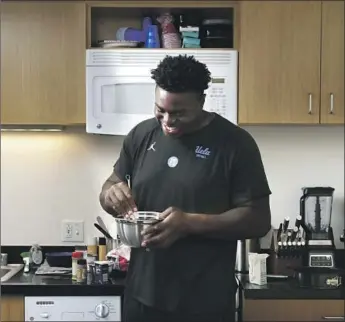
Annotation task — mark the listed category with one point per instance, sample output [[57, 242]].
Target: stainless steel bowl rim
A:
[[136, 222], [148, 217]]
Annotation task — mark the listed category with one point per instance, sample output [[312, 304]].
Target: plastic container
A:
[[91, 259], [81, 271], [75, 257], [152, 37], [101, 272]]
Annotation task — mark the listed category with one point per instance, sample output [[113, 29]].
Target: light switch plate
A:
[[72, 231]]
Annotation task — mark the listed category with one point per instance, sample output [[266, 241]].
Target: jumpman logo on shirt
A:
[[152, 147]]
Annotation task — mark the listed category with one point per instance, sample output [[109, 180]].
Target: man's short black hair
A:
[[181, 74]]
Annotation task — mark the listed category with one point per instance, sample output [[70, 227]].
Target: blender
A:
[[316, 211]]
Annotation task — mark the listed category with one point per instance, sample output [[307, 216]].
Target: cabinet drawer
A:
[[12, 309], [294, 310]]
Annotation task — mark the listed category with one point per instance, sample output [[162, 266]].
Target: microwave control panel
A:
[[217, 101]]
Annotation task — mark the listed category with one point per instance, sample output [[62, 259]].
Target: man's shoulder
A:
[[142, 129], [231, 133]]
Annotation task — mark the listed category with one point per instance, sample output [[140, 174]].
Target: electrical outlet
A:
[[72, 231]]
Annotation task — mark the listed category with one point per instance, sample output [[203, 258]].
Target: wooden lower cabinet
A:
[[293, 310], [12, 308]]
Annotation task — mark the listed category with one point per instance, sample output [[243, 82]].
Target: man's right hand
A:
[[119, 198]]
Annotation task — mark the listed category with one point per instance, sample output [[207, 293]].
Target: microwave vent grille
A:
[[152, 57]]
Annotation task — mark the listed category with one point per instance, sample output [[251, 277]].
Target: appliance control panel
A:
[[217, 100], [321, 260], [73, 308]]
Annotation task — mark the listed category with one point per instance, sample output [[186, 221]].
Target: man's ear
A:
[[202, 100]]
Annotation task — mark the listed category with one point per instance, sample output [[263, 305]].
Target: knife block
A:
[[281, 265]]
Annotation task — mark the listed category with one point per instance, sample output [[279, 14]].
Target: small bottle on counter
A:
[[75, 257], [83, 249], [102, 249], [90, 273], [101, 272], [36, 255], [92, 246], [90, 260], [81, 271]]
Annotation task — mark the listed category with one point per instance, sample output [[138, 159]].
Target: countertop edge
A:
[[61, 290]]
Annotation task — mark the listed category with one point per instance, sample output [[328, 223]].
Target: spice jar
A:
[[90, 260], [102, 249], [92, 246], [81, 271], [75, 257], [83, 249], [90, 273]]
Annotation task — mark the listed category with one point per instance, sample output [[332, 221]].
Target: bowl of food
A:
[[129, 229]]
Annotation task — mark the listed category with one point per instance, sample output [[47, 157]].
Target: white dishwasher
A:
[[73, 308]]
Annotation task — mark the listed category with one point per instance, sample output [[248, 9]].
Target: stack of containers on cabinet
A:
[[190, 37]]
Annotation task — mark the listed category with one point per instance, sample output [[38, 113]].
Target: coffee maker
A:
[[316, 211]]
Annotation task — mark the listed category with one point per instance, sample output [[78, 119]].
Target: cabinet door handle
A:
[[334, 318], [331, 97], [310, 103]]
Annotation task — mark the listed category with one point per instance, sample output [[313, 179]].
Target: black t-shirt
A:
[[210, 171]]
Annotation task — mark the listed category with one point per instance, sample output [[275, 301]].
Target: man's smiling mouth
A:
[[170, 129]]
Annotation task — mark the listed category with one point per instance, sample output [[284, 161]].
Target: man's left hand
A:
[[172, 227]]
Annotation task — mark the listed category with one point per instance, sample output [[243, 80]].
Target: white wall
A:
[[48, 177]]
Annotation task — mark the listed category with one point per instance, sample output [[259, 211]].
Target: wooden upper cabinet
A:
[[43, 63], [279, 62], [332, 63]]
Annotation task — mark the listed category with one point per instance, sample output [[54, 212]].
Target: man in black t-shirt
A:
[[206, 178]]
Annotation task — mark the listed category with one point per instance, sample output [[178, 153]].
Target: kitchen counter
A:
[[29, 284], [33, 285], [286, 289]]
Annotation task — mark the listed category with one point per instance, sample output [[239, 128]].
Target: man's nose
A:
[[168, 119]]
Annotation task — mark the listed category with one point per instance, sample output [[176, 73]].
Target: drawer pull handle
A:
[[310, 104], [331, 110], [334, 318]]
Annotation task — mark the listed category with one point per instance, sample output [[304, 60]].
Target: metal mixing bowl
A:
[[129, 230]]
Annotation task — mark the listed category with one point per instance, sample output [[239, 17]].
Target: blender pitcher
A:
[[316, 211]]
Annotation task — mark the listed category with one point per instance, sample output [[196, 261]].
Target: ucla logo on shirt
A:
[[201, 152]]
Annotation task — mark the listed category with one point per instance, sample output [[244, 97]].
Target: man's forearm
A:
[[239, 223]]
